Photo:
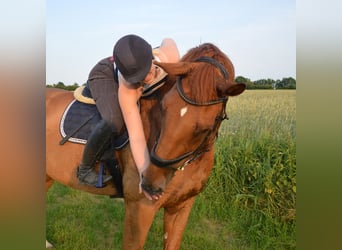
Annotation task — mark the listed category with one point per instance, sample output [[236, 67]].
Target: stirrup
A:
[[100, 183], [91, 178]]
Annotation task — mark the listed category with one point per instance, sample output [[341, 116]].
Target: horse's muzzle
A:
[[150, 189]]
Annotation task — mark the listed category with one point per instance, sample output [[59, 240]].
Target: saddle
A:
[[79, 119]]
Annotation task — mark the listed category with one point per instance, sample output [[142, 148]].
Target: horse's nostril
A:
[[149, 189]]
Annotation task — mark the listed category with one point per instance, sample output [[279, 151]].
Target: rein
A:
[[202, 148]]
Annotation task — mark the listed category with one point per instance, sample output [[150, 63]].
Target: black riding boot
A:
[[97, 142]]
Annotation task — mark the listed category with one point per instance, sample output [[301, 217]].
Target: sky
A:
[[258, 36]]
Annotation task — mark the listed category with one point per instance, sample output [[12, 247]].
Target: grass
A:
[[248, 203]]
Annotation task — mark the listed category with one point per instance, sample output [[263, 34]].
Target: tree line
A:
[[285, 83]]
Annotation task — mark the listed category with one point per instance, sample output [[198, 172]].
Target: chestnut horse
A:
[[181, 122]]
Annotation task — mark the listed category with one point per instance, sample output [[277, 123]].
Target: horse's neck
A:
[[150, 114], [150, 109]]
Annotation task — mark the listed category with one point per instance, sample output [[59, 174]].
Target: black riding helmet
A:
[[133, 57]]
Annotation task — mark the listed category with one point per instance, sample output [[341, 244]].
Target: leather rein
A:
[[203, 147]]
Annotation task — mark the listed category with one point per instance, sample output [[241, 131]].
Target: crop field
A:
[[249, 201]]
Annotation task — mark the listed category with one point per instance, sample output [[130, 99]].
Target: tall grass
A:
[[255, 170], [248, 203]]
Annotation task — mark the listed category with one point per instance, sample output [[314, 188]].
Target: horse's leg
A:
[[138, 219], [175, 220]]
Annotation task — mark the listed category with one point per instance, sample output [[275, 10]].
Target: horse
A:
[[181, 122]]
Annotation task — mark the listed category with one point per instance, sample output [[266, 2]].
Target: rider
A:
[[116, 84]]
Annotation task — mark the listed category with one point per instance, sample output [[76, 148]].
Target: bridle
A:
[[203, 147]]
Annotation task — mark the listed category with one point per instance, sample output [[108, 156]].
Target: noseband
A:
[[202, 148]]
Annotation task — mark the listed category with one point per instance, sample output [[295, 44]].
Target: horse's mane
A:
[[204, 82]]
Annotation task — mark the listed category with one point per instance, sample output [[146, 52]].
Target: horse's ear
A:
[[180, 68], [232, 90]]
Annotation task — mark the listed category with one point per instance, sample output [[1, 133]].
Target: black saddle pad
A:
[[79, 119]]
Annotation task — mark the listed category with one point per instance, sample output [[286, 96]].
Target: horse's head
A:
[[192, 112]]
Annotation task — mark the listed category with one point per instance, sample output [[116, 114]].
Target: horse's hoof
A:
[[48, 245]]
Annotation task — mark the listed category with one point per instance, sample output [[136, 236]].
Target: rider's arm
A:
[[128, 98]]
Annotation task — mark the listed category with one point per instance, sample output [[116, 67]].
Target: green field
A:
[[249, 201]]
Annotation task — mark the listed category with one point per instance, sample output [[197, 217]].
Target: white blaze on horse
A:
[[181, 121]]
